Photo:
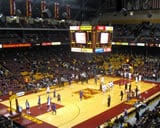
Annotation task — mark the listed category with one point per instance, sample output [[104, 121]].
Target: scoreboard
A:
[[91, 39]]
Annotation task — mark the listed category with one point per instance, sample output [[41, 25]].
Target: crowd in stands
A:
[[8, 37], [142, 33], [145, 32], [149, 118], [26, 34], [150, 69], [36, 23], [29, 69], [23, 69], [8, 123]]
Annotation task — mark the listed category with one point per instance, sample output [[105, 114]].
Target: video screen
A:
[[80, 37], [104, 37]]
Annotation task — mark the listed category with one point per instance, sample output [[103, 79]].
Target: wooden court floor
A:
[[74, 110]]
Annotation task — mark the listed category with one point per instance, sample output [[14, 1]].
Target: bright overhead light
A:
[[13, 17], [131, 13], [1, 15], [38, 19], [63, 20]]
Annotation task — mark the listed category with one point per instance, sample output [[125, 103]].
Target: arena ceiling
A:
[[80, 9]]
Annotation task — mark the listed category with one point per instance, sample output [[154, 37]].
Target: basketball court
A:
[[73, 112]]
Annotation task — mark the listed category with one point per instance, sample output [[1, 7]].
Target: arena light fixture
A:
[[1, 15], [38, 19], [131, 13], [124, 11], [2, 18]]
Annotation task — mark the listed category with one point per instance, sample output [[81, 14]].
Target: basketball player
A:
[[27, 107], [49, 103], [48, 89], [59, 97], [80, 95], [109, 100], [54, 108], [39, 102], [121, 94], [54, 93]]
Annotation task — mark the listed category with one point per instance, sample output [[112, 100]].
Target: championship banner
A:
[[56, 10], [28, 8], [12, 7], [155, 4], [43, 7], [68, 10]]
